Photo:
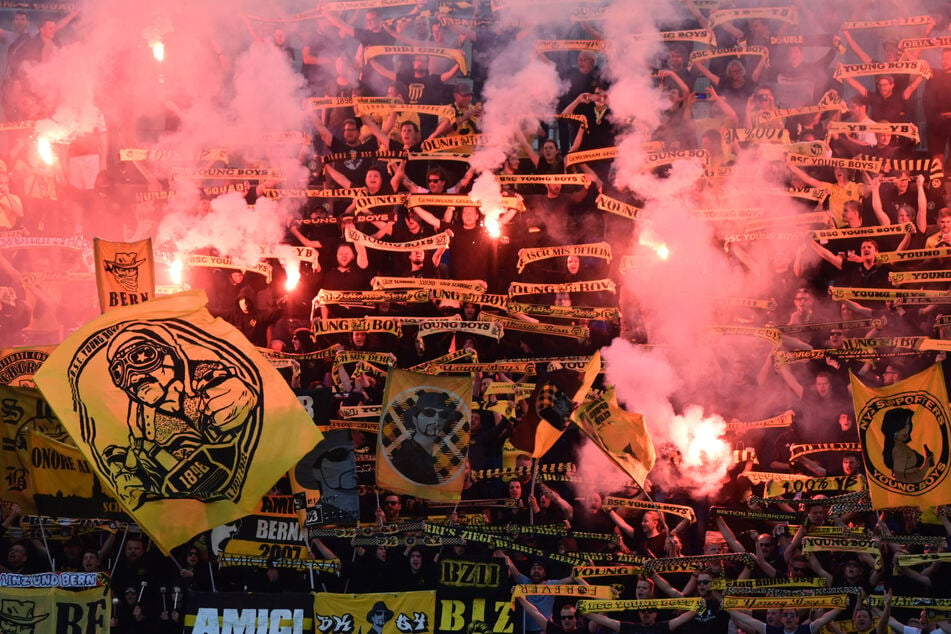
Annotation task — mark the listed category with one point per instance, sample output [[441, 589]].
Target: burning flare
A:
[[44, 147], [158, 50]]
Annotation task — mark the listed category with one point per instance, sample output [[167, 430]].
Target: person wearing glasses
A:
[[568, 618], [713, 620], [648, 623]]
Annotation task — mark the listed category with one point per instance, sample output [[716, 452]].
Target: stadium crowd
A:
[[733, 107]]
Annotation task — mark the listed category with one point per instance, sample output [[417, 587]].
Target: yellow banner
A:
[[600, 250], [429, 243], [167, 404], [736, 51], [219, 262], [327, 296], [454, 54], [829, 101], [813, 544], [656, 159], [377, 613], [916, 603], [909, 130], [55, 610], [915, 44], [125, 272], [567, 312], [695, 604], [912, 20], [779, 488], [872, 165], [547, 46], [622, 436], [464, 286], [840, 601], [890, 257], [616, 207], [562, 590], [510, 323], [424, 434], [483, 328], [157, 154], [882, 294], [899, 278], [783, 420], [783, 14], [904, 432], [908, 67], [590, 286], [599, 154]]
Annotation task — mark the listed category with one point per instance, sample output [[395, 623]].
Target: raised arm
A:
[[921, 220], [825, 619], [859, 51], [826, 254], [746, 622], [532, 612], [875, 185]]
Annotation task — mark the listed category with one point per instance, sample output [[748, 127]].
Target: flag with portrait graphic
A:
[[904, 431], [376, 613], [125, 272], [423, 441], [177, 414], [18, 365], [55, 609]]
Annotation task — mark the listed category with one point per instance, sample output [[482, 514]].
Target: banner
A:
[[695, 604], [248, 612], [839, 601], [909, 130], [839, 293], [586, 156], [890, 257], [125, 272], [782, 420], [376, 613], [736, 51], [220, 262], [581, 333], [783, 14], [64, 484], [805, 484], [168, 405], [18, 365], [906, 67], [22, 410], [424, 434], [616, 207], [54, 610], [429, 243], [566, 312], [904, 432], [464, 286], [871, 165], [862, 232], [325, 483], [589, 286], [911, 20], [679, 510], [562, 590], [600, 250], [829, 101], [454, 54], [620, 435], [900, 278]]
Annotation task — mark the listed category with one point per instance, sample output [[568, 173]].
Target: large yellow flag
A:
[[622, 436], [904, 430], [184, 422], [125, 273], [424, 434]]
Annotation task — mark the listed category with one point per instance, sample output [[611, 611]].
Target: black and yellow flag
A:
[[622, 436], [376, 613], [550, 405], [64, 484], [178, 415], [904, 430], [22, 410], [125, 273], [54, 610], [423, 442]]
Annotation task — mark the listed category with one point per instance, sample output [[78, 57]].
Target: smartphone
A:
[[700, 95]]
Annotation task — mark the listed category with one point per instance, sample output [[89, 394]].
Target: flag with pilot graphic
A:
[[125, 272], [178, 415], [375, 613], [904, 431], [54, 610], [621, 435], [423, 441]]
